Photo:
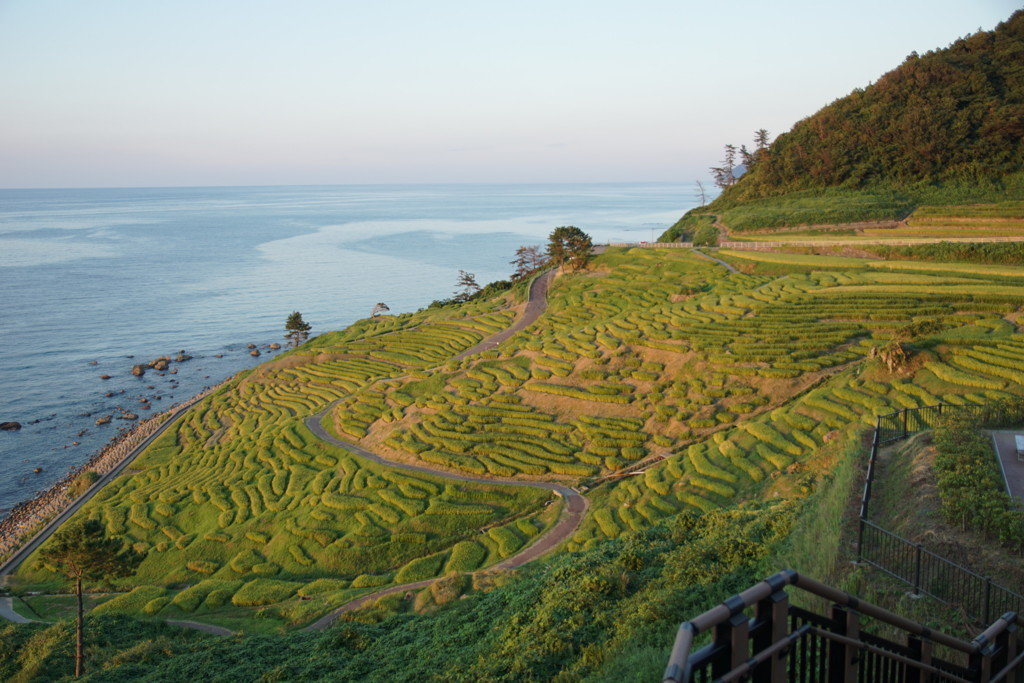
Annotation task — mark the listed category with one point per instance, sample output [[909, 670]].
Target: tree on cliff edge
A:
[[81, 551], [570, 245], [296, 329]]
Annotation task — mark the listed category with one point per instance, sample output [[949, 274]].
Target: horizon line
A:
[[417, 183]]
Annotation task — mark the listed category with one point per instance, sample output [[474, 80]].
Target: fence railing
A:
[[926, 572], [781, 642]]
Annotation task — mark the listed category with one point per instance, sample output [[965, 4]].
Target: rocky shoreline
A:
[[29, 516]]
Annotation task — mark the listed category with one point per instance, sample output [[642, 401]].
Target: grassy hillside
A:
[[706, 388]]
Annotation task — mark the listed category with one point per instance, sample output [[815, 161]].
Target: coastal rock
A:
[[250, 346], [138, 370], [127, 416], [94, 362], [104, 376], [182, 357], [10, 426], [160, 363], [37, 470], [275, 346], [218, 355], [109, 394], [103, 420], [173, 371], [254, 352]]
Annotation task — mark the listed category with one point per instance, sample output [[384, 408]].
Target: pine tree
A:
[[296, 329], [570, 245], [466, 286], [528, 260], [81, 551]]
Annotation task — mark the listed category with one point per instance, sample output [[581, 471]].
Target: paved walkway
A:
[[575, 504], [1013, 469], [17, 558], [569, 519], [7, 612], [727, 266], [536, 303]]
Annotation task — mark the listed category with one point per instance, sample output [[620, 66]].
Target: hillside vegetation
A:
[[921, 147], [953, 115]]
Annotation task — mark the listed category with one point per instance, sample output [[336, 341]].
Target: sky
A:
[[123, 93]]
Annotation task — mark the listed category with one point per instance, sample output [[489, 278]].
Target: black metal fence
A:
[[903, 423], [926, 572], [931, 574]]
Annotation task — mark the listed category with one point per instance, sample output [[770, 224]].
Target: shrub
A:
[[155, 605], [971, 484]]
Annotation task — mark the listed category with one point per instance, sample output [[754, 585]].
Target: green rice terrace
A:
[[658, 383]]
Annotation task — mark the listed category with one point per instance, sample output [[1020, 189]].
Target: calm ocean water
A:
[[117, 277]]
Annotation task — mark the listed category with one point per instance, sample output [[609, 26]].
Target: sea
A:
[[94, 281]]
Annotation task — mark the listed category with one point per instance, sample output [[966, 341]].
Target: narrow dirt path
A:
[[18, 557], [575, 504], [569, 520], [727, 266], [536, 303]]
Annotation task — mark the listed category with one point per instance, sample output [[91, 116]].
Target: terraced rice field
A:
[[699, 386], [241, 501]]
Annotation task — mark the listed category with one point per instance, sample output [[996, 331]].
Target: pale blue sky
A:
[[123, 93]]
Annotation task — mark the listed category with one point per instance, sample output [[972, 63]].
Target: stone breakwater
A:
[[27, 517]]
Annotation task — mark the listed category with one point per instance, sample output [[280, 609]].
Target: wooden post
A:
[[844, 660], [773, 613]]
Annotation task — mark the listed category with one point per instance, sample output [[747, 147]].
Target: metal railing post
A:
[[988, 600], [860, 541], [917, 569]]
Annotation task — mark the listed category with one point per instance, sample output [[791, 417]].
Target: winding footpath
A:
[[570, 517], [8, 567], [536, 303], [575, 503]]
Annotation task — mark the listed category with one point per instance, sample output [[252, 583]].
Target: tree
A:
[[466, 286], [570, 245], [378, 309], [724, 175], [296, 329], [529, 259], [761, 138], [703, 197], [81, 551]]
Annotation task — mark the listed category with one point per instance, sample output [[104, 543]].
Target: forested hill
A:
[[955, 114]]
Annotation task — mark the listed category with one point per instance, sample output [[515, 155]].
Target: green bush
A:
[[970, 482]]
